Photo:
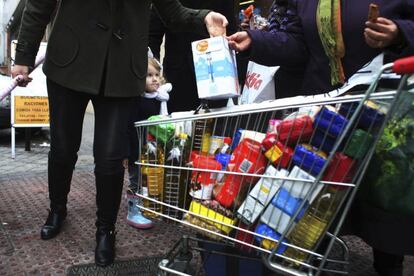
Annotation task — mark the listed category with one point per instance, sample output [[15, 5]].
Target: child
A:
[[152, 102]]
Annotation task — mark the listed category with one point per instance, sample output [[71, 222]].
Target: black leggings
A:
[[67, 110]]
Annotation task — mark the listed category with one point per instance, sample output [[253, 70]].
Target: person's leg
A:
[[67, 109], [110, 149], [387, 264]]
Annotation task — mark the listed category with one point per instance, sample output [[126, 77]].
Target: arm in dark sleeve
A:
[[406, 28], [182, 19], [284, 43], [36, 16], [156, 33]]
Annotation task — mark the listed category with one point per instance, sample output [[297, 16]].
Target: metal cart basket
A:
[[275, 179]]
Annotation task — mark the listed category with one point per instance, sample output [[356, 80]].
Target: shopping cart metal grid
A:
[[274, 180]]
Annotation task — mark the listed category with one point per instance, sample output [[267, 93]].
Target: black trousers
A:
[[67, 109]]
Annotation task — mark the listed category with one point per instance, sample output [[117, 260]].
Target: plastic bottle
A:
[[311, 227], [202, 132], [174, 184], [152, 177], [225, 148]]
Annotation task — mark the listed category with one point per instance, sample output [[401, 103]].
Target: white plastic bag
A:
[[259, 85]]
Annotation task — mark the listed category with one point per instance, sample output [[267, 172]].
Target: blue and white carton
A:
[[215, 69]]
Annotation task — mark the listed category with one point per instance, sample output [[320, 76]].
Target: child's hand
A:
[[381, 33]]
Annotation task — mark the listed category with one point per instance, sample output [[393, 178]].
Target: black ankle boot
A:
[[105, 247], [53, 224]]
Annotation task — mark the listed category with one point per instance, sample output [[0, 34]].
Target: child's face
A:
[[153, 79]]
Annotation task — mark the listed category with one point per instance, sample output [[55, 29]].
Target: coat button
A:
[[102, 26], [118, 35]]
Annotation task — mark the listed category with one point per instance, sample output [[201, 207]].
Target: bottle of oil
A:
[[202, 131], [313, 224], [152, 177], [174, 185]]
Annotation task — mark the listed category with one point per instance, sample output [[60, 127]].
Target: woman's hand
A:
[[381, 33], [245, 25], [21, 70], [240, 41], [216, 24]]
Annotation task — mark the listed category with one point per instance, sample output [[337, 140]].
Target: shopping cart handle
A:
[[404, 65]]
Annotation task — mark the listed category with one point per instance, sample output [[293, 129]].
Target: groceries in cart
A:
[[262, 177]]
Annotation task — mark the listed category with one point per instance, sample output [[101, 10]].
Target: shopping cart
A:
[[274, 179]]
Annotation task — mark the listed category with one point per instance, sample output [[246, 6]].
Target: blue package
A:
[[223, 159], [236, 138], [330, 122], [308, 160], [288, 204], [370, 117], [322, 141], [265, 230]]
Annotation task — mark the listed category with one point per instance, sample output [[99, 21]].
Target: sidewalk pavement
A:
[[23, 208]]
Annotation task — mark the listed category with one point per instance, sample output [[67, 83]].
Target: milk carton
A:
[[261, 194], [215, 69]]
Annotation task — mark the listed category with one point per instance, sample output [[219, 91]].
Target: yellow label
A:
[[264, 189], [31, 110], [205, 144], [268, 244], [274, 153]]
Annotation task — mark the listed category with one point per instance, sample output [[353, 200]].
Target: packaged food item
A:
[[248, 12], [261, 194], [246, 158], [308, 160], [264, 230], [254, 135], [216, 142], [279, 154], [298, 188], [152, 177], [294, 130], [272, 126], [214, 214], [161, 132], [225, 146], [341, 169], [201, 223], [175, 178], [372, 114], [202, 182], [280, 212], [245, 237], [358, 144], [322, 141], [224, 160], [330, 122], [373, 12]]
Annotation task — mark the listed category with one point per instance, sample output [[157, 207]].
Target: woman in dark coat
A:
[[295, 41], [96, 52]]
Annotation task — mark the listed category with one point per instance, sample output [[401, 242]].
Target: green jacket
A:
[[98, 41]]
